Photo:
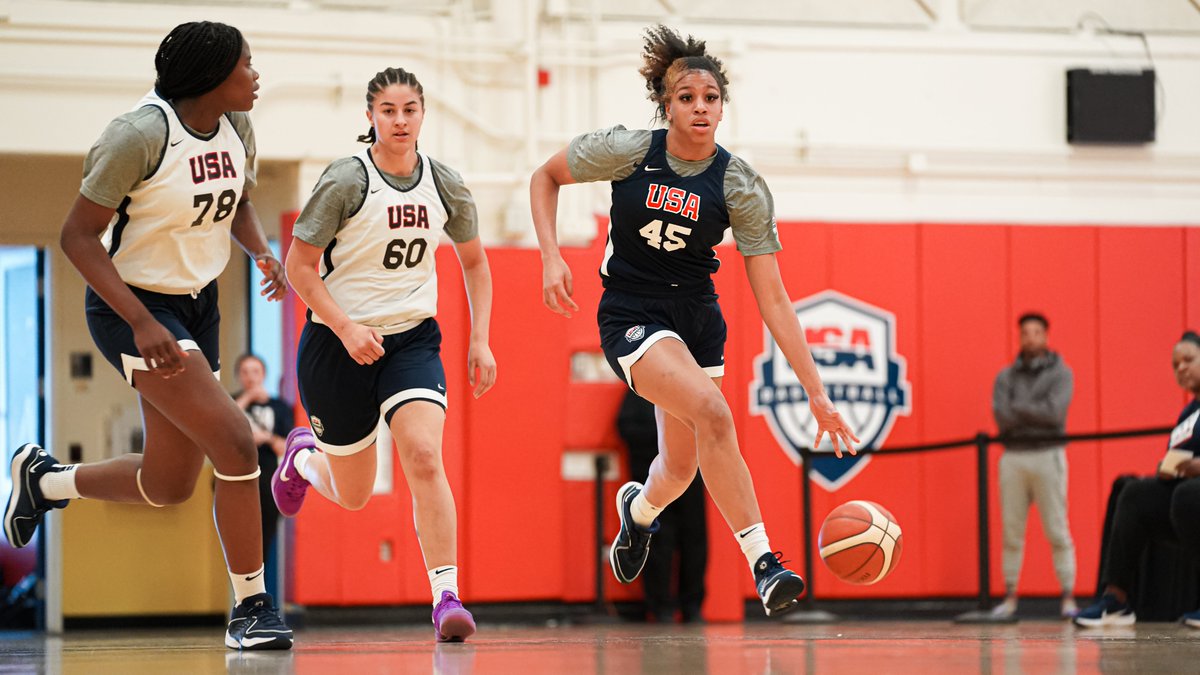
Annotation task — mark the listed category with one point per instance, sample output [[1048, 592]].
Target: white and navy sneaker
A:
[[777, 585], [26, 505], [629, 550], [1108, 611], [1191, 619], [255, 624]]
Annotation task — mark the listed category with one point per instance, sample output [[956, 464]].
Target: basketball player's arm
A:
[[481, 365], [776, 309], [248, 233], [362, 343], [80, 241], [557, 286]]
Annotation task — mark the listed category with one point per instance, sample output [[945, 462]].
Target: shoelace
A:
[[779, 557]]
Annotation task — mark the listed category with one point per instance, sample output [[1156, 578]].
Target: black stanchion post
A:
[[981, 473], [806, 514], [601, 469]]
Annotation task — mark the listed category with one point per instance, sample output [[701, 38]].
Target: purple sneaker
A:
[[287, 485], [451, 622]]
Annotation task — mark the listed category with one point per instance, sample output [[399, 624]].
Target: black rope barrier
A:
[[981, 443]]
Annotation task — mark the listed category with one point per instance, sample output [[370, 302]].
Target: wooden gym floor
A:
[[924, 647]]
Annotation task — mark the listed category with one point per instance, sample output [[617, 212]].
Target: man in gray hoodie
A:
[[1030, 402]]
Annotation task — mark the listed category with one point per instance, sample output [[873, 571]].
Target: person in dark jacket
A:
[[1030, 401], [1166, 506]]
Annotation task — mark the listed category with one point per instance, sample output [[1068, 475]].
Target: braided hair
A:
[[381, 81], [668, 57], [195, 58]]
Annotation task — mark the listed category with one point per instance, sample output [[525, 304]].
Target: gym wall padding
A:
[[1117, 299]]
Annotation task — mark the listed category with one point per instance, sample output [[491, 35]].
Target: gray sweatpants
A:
[[1036, 477]]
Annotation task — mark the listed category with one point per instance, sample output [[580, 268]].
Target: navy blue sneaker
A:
[[26, 505], [1107, 611], [1191, 619], [255, 624], [777, 585], [629, 550]]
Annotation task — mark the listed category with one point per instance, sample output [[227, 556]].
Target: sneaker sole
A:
[[1121, 620], [781, 598], [275, 643], [456, 627], [612, 550], [18, 485]]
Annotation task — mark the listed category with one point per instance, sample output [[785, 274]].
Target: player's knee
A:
[[712, 416], [424, 463], [354, 501], [169, 494]]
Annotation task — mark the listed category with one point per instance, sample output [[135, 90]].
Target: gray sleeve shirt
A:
[[342, 188], [614, 153], [131, 148]]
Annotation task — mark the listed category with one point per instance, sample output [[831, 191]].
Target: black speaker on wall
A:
[[1105, 106]]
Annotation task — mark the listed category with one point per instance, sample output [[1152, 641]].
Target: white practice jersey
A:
[[171, 232], [381, 267]]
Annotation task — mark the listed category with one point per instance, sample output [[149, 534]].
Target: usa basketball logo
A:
[[636, 333], [854, 345]]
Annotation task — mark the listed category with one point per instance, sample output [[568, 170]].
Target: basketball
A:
[[860, 542]]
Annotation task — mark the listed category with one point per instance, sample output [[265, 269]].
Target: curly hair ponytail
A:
[[668, 57]]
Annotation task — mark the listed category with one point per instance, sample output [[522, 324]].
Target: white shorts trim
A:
[[346, 450], [633, 357], [409, 394], [715, 371], [131, 364]]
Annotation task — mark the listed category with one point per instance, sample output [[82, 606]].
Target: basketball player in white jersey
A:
[[163, 190], [371, 346]]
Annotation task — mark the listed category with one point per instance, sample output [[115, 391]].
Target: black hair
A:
[[195, 58], [386, 78], [1034, 316], [667, 57], [1190, 336]]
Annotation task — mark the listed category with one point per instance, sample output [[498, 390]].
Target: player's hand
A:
[[557, 286], [158, 347], [829, 421], [481, 368], [274, 278], [362, 343]]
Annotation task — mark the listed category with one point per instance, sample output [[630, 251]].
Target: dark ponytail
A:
[[382, 80]]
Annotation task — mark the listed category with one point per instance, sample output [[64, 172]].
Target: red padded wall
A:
[[1117, 298]]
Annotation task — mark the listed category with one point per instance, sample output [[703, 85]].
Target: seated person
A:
[[1167, 506]]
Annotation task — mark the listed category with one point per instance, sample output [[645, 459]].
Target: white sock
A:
[[300, 460], [443, 579], [60, 484], [246, 585], [753, 541], [643, 512]]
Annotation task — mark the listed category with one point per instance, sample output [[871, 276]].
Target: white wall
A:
[[849, 123]]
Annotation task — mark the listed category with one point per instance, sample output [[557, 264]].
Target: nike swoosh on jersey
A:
[[176, 142], [654, 168]]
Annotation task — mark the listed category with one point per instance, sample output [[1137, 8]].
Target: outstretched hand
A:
[[829, 421]]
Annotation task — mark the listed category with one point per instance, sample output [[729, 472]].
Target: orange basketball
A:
[[860, 542]]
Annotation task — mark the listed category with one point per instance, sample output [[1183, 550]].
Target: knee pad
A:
[[143, 490], [234, 479]]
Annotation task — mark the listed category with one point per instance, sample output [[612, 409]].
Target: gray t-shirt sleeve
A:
[[751, 209], [607, 154], [463, 224], [129, 150], [241, 124], [338, 194]]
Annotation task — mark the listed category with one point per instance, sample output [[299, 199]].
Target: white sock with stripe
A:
[[643, 512], [300, 460], [442, 579], [754, 543], [60, 483]]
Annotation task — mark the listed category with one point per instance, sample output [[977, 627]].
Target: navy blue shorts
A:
[[630, 324], [344, 400], [195, 322]]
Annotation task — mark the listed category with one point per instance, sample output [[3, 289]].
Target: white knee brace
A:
[[143, 490], [234, 479]]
